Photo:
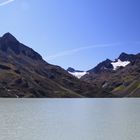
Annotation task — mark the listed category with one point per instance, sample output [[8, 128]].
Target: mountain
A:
[[128, 57], [103, 66], [24, 73], [70, 69], [108, 65], [120, 77], [76, 73]]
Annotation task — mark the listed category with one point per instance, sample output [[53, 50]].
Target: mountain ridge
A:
[[23, 73], [123, 81], [106, 64]]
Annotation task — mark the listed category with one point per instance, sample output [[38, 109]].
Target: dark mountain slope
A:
[[103, 66], [129, 57], [122, 82], [23, 73]]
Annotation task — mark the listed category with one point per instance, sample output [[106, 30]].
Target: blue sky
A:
[[76, 33]]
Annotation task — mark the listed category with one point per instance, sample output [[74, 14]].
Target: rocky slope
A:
[[120, 77], [23, 73]]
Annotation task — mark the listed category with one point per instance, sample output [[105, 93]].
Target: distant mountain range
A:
[[120, 77], [23, 73]]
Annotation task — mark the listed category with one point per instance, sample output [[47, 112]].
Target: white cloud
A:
[[73, 51], [6, 2]]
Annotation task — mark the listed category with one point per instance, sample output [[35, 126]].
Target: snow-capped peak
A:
[[120, 63]]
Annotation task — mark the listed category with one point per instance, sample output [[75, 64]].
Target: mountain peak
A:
[[9, 37], [8, 34], [127, 57], [108, 60], [9, 44], [70, 69], [103, 66], [123, 55], [8, 41]]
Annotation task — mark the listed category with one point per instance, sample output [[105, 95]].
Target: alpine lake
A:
[[70, 119]]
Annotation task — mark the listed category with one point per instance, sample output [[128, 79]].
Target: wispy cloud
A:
[[76, 50], [6, 2]]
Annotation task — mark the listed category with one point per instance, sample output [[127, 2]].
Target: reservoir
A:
[[70, 119]]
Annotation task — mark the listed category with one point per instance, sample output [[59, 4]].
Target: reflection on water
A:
[[69, 119]]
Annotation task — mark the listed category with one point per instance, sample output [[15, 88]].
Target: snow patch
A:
[[78, 74], [120, 63]]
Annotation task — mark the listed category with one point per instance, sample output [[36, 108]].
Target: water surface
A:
[[69, 119]]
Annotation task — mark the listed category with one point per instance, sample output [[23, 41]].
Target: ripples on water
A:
[[69, 119]]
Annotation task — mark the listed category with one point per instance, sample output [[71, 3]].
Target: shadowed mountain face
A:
[[11, 46], [129, 57], [103, 66], [23, 73]]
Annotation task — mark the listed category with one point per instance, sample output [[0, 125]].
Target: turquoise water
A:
[[69, 119]]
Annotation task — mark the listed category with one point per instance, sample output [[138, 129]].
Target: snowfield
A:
[[78, 74], [120, 63]]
